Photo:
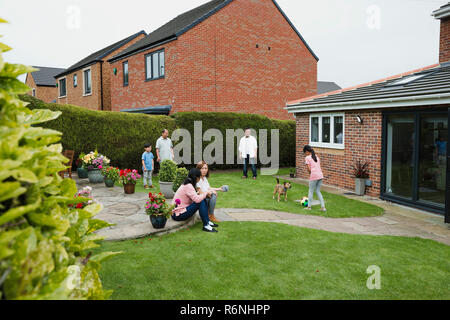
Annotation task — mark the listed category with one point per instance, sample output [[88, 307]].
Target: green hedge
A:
[[228, 120], [118, 135], [121, 136]]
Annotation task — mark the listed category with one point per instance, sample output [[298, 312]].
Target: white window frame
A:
[[84, 82], [321, 144], [59, 87]]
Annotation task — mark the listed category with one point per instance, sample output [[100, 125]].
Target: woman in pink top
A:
[[315, 176], [188, 202]]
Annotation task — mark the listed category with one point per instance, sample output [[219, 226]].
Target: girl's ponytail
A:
[[310, 150]]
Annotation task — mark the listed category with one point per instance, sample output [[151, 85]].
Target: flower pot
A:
[[82, 173], [95, 176], [129, 188], [360, 186], [158, 222], [166, 189], [109, 183]]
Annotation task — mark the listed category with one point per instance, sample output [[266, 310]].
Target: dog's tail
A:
[[278, 181]]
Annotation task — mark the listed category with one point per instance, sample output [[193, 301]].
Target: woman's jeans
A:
[[248, 160], [314, 186], [211, 203], [192, 209]]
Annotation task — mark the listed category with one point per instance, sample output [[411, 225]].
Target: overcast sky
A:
[[356, 40]]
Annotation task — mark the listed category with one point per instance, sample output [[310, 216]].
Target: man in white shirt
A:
[[164, 147], [248, 150]]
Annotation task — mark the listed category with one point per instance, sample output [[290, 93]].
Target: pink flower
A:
[[100, 167], [178, 201]]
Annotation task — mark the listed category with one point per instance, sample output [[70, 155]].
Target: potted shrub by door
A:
[[128, 178], [158, 210], [167, 174], [111, 176], [95, 162], [361, 174]]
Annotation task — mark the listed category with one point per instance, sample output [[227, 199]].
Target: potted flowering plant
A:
[[128, 178], [158, 210], [82, 199], [81, 169], [111, 175], [361, 173], [94, 162]]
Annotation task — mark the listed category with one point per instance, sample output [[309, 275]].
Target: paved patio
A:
[[127, 212]]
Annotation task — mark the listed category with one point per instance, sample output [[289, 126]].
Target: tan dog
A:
[[281, 189]]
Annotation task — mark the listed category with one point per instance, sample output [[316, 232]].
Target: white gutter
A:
[[432, 99], [442, 13]]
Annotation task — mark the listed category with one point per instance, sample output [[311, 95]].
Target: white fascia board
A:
[[442, 13], [374, 104]]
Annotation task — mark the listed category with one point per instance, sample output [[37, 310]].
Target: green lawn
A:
[[256, 260], [258, 193]]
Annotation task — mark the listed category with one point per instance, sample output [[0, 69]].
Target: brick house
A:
[[42, 83], [225, 55], [87, 83], [399, 124]]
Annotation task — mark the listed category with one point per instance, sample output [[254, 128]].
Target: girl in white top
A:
[[203, 186]]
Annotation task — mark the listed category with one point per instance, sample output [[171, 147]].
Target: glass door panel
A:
[[433, 158], [400, 155]]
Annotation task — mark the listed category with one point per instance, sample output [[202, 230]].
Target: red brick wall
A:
[[46, 94], [74, 95], [98, 74], [216, 66], [444, 50], [362, 142]]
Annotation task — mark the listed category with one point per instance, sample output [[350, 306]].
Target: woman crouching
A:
[[189, 202]]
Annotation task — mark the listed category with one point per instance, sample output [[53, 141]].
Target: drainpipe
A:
[[101, 85]]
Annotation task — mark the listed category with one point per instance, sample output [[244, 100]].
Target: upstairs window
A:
[[125, 73], [62, 88], [154, 65], [87, 81], [33, 92], [327, 130]]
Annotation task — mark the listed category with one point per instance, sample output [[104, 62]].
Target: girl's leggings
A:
[[314, 186]]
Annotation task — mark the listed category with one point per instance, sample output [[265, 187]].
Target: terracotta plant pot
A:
[[129, 188], [158, 222]]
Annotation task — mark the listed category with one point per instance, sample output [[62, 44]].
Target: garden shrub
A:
[[121, 136], [168, 171], [43, 244], [180, 176], [118, 135]]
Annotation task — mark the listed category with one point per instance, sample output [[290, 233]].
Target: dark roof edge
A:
[[204, 17], [125, 41], [65, 73], [150, 110], [296, 31], [132, 53]]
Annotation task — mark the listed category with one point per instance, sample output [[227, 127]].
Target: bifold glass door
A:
[[415, 157], [433, 158]]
